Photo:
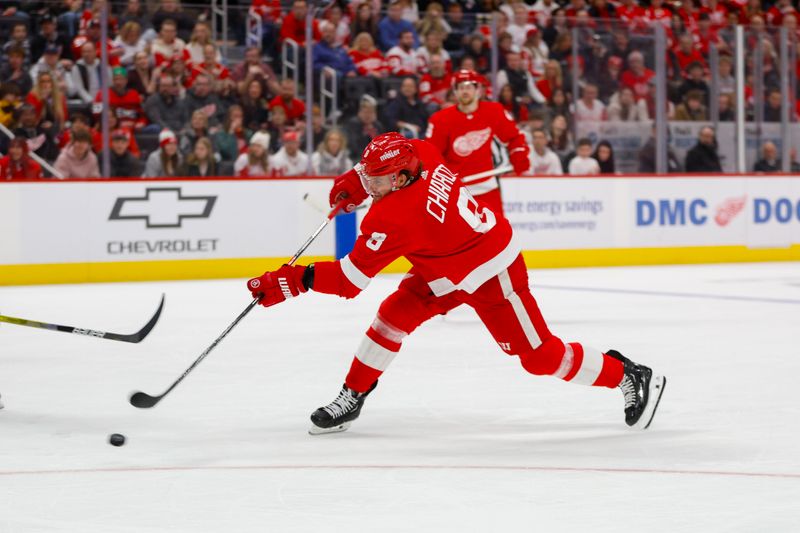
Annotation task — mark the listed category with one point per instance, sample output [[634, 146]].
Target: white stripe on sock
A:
[[374, 355], [590, 367]]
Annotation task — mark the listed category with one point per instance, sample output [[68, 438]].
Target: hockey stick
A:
[[316, 206], [491, 172], [145, 401], [134, 337]]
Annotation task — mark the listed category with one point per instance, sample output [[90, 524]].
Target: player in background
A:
[[463, 133], [464, 253]]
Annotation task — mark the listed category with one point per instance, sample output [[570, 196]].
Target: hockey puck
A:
[[116, 439]]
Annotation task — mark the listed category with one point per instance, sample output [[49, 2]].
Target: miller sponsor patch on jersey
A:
[[471, 141]]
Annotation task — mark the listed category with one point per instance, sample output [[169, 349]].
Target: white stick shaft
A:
[[492, 172]]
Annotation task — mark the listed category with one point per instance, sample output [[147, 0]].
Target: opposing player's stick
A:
[[145, 401], [133, 337]]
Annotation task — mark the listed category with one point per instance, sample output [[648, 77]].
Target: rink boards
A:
[[77, 231]]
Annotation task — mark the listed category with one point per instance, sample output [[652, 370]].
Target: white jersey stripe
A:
[[519, 309], [481, 274], [590, 367], [353, 274], [374, 355]]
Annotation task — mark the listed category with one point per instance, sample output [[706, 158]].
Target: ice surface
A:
[[457, 436]]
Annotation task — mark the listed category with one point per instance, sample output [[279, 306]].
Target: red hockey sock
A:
[[361, 377], [588, 366]]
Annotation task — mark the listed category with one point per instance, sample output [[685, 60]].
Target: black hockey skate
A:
[[340, 413], [642, 391]]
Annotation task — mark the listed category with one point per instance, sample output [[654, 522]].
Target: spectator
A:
[[166, 161], [589, 108], [135, 11], [15, 73], [290, 160], [393, 25], [341, 26], [769, 162], [480, 52], [560, 137], [608, 78], [703, 156], [647, 156], [168, 46], [254, 163], [637, 76], [170, 10], [200, 162], [559, 105], [519, 26], [318, 129], [725, 108], [604, 155], [49, 103], [552, 79], [123, 164], [726, 83], [535, 52], [17, 39], [365, 21], [520, 80], [92, 35], [293, 25], [81, 122], [200, 96], [362, 128], [330, 158], [127, 102], [692, 109], [141, 77], [49, 62], [294, 107], [77, 160], [196, 129], [9, 102], [433, 20], [276, 127], [17, 164], [41, 141], [255, 106], [326, 53], [165, 108], [406, 113], [434, 84], [544, 162], [461, 27], [686, 54], [624, 107], [512, 105], [210, 66], [201, 37], [434, 45], [773, 106], [695, 82], [583, 163], [86, 75], [130, 42], [543, 11], [48, 36], [369, 61], [402, 59], [232, 139], [253, 68]]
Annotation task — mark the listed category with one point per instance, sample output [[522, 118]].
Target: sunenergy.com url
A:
[[555, 225]]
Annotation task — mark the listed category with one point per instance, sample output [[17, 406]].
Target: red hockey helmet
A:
[[389, 153], [464, 75]]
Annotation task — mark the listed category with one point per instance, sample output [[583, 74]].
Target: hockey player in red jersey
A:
[[462, 252], [463, 133]]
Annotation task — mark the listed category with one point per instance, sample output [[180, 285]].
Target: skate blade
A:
[[657, 386], [315, 430]]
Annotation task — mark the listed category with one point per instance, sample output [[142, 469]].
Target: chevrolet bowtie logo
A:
[[162, 208]]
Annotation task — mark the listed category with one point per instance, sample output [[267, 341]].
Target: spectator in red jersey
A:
[[92, 35], [369, 61], [685, 54], [77, 160], [406, 113], [657, 13], [690, 15], [168, 46], [552, 80], [17, 164], [210, 66], [253, 68], [294, 107], [776, 13], [434, 85], [125, 100], [402, 58], [717, 12], [706, 35], [81, 122], [637, 76], [574, 7], [294, 24], [50, 104]]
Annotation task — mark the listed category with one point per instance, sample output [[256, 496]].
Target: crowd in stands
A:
[[177, 107]]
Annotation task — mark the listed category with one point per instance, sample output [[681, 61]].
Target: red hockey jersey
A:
[[454, 241], [465, 141]]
